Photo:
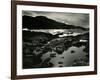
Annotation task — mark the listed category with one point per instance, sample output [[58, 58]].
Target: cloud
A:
[[78, 19]]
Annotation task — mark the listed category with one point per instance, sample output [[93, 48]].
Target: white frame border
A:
[[21, 71]]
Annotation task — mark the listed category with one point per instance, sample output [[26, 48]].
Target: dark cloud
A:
[[78, 19]]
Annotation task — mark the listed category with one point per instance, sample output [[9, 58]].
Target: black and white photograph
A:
[[54, 39]]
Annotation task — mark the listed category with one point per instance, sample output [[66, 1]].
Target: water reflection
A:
[[66, 58]]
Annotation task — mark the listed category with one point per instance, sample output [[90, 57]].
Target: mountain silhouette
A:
[[42, 22]]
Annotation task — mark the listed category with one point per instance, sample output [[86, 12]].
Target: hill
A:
[[42, 22]]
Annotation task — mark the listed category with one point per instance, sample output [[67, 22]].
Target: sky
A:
[[77, 19]]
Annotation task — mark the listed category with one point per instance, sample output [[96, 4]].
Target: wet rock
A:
[[72, 51]]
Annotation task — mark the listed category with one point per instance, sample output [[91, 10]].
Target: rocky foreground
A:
[[42, 50]]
